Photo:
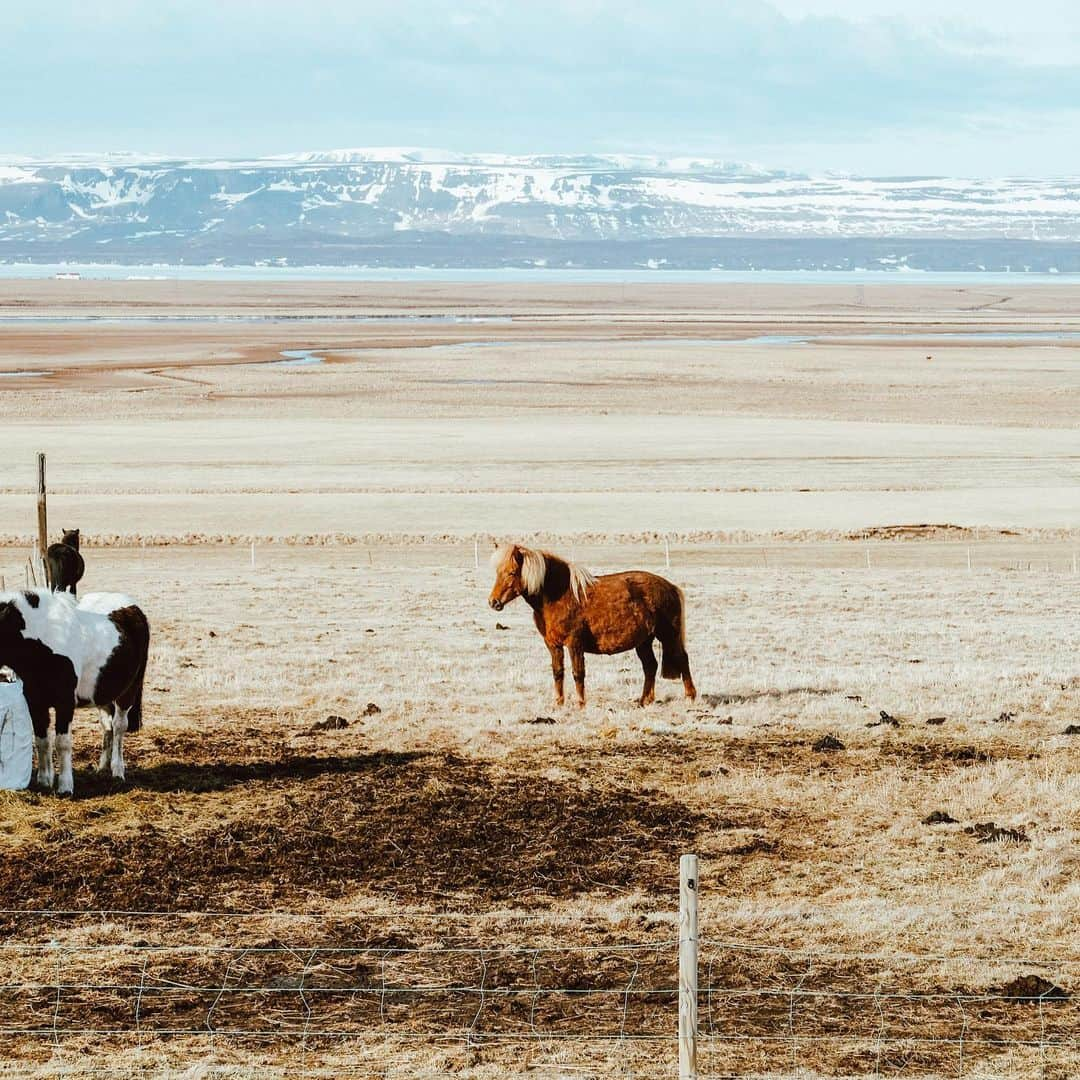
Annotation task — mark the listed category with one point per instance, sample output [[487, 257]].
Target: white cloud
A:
[[787, 82], [1035, 31]]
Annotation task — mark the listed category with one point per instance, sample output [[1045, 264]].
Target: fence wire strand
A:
[[769, 1009]]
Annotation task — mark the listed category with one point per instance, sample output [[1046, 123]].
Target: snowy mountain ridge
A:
[[363, 205]]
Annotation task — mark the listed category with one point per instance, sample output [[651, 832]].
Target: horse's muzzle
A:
[[496, 604]]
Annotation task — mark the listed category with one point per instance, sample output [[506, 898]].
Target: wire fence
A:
[[535, 993]]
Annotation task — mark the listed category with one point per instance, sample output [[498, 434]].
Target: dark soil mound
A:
[[420, 826], [1033, 988], [990, 833], [828, 744]]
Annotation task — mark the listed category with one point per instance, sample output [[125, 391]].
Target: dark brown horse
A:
[[612, 613], [66, 566]]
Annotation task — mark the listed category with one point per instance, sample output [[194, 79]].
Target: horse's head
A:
[[71, 538], [507, 562], [12, 623], [518, 571]]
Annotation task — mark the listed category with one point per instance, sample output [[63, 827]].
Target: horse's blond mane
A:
[[534, 566], [581, 580]]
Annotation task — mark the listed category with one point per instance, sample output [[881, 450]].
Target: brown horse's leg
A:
[[648, 664], [577, 662], [557, 670]]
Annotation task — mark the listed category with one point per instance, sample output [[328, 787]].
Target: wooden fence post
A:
[[688, 966], [42, 521]]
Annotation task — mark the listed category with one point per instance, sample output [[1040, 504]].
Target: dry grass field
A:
[[356, 837]]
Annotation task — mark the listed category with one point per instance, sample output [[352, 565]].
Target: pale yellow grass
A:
[[779, 655], [776, 653]]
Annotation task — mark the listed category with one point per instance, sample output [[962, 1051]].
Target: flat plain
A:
[[358, 839]]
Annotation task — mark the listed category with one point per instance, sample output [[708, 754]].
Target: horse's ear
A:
[[518, 556]]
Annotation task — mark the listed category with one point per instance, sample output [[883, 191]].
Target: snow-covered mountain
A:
[[401, 206]]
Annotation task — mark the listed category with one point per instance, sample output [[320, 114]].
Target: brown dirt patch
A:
[[422, 826], [1033, 988], [943, 755]]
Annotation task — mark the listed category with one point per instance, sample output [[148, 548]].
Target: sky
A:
[[979, 88]]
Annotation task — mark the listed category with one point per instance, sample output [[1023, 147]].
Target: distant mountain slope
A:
[[406, 206]]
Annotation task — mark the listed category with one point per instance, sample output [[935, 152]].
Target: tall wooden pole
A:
[[688, 967], [42, 519]]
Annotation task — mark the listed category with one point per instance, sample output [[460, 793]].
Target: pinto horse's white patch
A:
[[120, 725], [65, 781], [88, 642], [105, 603], [105, 760]]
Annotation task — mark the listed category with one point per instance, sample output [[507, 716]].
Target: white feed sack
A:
[[16, 737]]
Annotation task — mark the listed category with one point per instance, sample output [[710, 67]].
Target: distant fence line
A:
[[913, 535], [26, 569]]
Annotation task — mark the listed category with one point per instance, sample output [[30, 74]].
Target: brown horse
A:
[[585, 614], [66, 566]]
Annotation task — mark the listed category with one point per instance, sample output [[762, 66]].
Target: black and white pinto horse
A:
[[70, 655]]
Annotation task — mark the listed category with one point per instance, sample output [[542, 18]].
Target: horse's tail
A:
[[135, 713], [142, 642], [54, 558], [673, 638]]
